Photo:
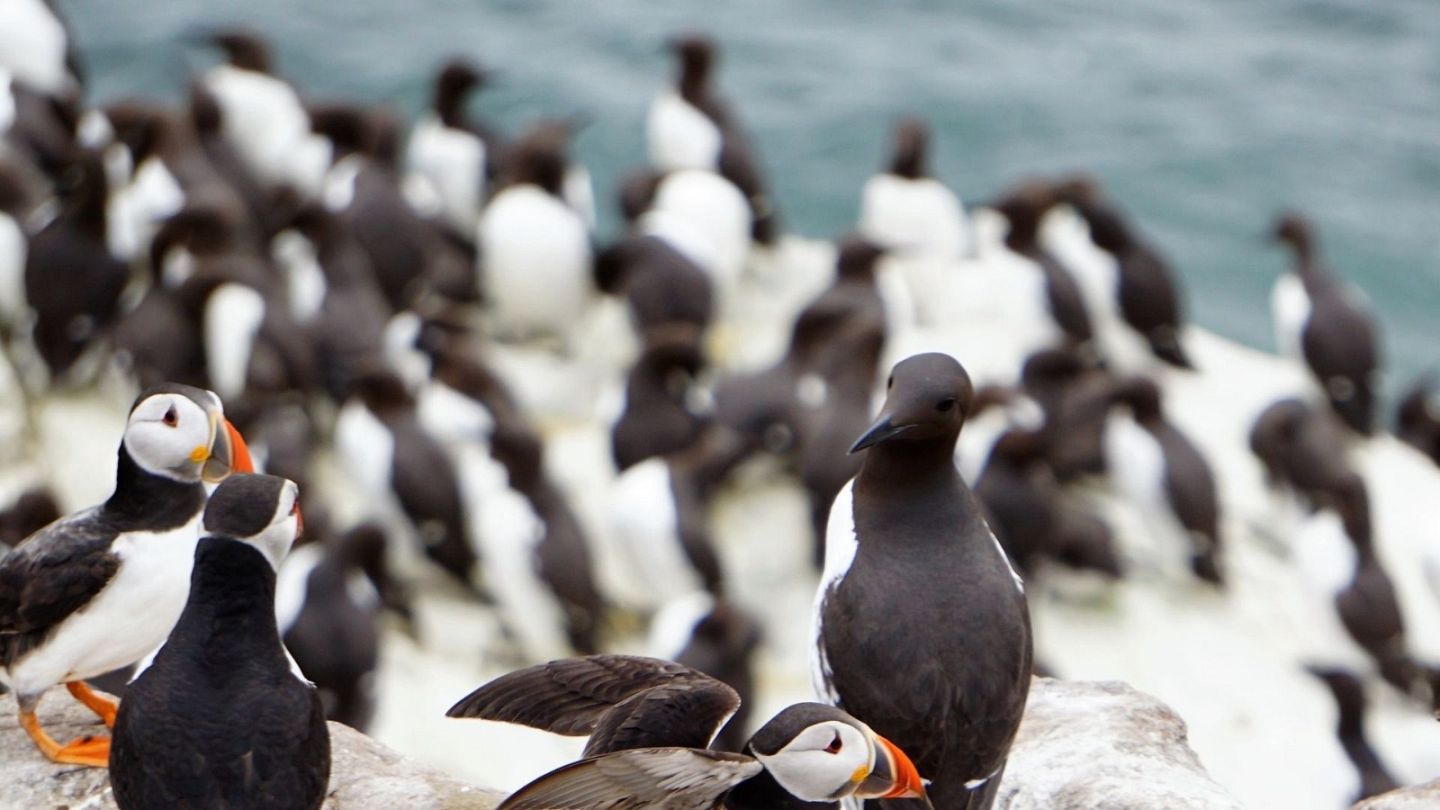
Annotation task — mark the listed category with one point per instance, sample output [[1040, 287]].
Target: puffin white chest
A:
[[132, 616]]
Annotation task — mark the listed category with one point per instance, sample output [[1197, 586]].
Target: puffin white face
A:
[[285, 527], [823, 763], [171, 435], [262, 511]]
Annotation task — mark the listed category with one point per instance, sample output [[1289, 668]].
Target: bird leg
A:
[[91, 751], [103, 707]]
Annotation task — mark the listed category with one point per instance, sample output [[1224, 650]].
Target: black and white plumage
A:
[[1024, 208], [693, 127], [1146, 289], [921, 625], [1164, 473], [1417, 418], [450, 158], [658, 418], [907, 209], [99, 589], [222, 718], [650, 721], [1327, 323]]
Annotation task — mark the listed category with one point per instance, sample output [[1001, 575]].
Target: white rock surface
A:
[[1104, 746]]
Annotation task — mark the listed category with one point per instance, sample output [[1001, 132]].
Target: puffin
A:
[[450, 158], [535, 255], [222, 717], [948, 678], [1146, 288], [906, 209], [691, 126], [101, 588], [1163, 472], [1327, 323], [650, 723]]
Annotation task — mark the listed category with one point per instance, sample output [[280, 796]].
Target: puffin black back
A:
[[220, 719]]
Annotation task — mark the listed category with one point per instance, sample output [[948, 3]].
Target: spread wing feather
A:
[[672, 778], [622, 701]]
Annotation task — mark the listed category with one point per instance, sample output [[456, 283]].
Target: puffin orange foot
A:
[[104, 707], [91, 751]]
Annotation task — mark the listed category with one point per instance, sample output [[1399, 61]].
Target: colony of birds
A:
[[409, 329]]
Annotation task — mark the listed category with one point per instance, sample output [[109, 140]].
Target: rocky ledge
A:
[[364, 773]]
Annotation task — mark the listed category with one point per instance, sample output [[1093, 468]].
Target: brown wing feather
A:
[[571, 695], [673, 778]]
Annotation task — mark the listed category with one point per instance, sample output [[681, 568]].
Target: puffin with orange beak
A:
[[650, 723], [101, 588]]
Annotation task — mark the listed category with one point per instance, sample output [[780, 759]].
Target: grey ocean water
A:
[[1204, 118]]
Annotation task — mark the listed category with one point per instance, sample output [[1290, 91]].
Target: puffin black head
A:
[[912, 145], [822, 754], [926, 399], [180, 432], [260, 510], [856, 259], [243, 49]]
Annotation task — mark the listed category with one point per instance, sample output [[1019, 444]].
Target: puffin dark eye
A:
[[945, 404], [834, 746], [171, 417]]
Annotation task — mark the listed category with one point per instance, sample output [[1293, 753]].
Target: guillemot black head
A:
[[697, 54], [457, 79], [541, 156], [262, 511], [243, 49], [926, 400], [1293, 230], [1142, 396], [856, 259], [912, 146], [823, 754]]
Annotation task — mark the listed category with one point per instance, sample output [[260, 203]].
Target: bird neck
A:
[[161, 503], [230, 614], [915, 466], [762, 792]]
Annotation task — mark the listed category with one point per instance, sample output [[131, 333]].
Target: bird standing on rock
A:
[[650, 722], [223, 718], [922, 628], [100, 589]]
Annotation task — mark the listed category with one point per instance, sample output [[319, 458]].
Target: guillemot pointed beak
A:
[[882, 430], [894, 775], [228, 454]]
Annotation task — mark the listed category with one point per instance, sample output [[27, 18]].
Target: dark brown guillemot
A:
[[948, 674]]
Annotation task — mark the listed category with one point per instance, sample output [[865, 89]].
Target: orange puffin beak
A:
[[228, 454], [894, 775]]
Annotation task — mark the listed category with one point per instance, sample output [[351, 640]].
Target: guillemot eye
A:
[[945, 404], [171, 418]]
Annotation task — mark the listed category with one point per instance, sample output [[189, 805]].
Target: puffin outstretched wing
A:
[[674, 778], [621, 701]]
